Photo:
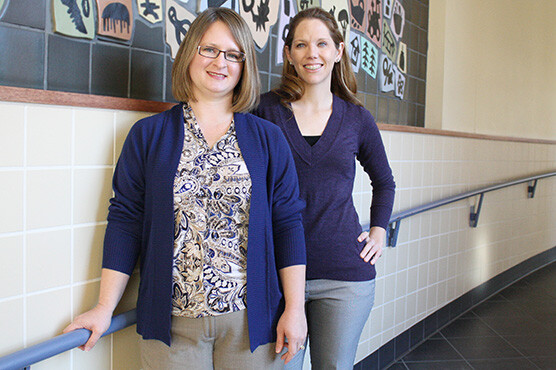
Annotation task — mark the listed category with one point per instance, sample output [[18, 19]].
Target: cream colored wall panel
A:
[[47, 315], [124, 122], [48, 198], [48, 257], [49, 135], [62, 361], [11, 199], [87, 252], [13, 133], [11, 273], [94, 137], [99, 358], [84, 297], [92, 192], [11, 322]]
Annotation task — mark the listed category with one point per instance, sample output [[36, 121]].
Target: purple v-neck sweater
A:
[[326, 174]]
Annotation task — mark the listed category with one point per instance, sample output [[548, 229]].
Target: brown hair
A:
[[246, 93], [343, 83]]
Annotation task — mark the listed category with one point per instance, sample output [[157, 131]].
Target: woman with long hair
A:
[[328, 129]]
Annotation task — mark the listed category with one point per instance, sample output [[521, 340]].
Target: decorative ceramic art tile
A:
[[74, 18], [388, 42], [369, 57], [373, 22], [387, 74], [286, 14], [2, 3], [402, 57], [400, 85], [398, 20], [340, 10], [387, 10], [178, 20], [260, 15], [355, 51], [115, 18], [305, 4], [230, 4], [151, 10], [357, 12]]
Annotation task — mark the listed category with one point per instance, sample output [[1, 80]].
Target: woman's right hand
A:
[[96, 320]]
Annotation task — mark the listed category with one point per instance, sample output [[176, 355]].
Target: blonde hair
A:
[[343, 83], [246, 93]]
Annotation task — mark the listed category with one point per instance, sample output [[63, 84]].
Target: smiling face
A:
[[313, 53], [215, 78]]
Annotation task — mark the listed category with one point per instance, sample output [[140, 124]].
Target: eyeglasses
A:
[[229, 55]]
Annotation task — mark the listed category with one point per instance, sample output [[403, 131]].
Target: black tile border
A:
[[399, 346]]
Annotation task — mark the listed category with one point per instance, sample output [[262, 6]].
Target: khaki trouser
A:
[[214, 342]]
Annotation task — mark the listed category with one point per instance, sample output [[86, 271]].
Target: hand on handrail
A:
[[97, 320]]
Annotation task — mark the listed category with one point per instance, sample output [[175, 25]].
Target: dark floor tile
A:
[[397, 366], [499, 309], [503, 364], [440, 365], [534, 345], [433, 350], [512, 326], [473, 327], [545, 362], [484, 348]]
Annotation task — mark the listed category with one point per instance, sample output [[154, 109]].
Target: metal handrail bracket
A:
[[394, 223]]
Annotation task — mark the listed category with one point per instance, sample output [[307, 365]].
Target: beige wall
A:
[[491, 67], [55, 171], [56, 163]]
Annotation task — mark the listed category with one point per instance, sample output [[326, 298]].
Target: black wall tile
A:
[[110, 70], [387, 354], [22, 58], [382, 110], [147, 75], [168, 85], [31, 13], [148, 37], [70, 72]]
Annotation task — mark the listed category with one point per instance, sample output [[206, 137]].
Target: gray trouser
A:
[[214, 342], [336, 314]]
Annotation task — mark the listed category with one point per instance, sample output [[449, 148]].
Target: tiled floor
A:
[[515, 329]]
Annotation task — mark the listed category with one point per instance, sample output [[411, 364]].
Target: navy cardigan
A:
[[141, 219]]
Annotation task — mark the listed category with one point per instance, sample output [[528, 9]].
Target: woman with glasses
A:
[[206, 198], [328, 130]]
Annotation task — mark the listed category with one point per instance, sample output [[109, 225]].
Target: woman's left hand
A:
[[293, 326], [374, 242]]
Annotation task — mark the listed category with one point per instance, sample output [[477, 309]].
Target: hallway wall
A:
[[491, 67], [56, 164]]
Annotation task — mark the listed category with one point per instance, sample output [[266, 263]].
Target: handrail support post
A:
[[392, 233], [475, 212], [531, 189]]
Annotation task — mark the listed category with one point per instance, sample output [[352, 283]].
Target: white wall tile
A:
[[92, 192], [87, 252], [11, 322], [11, 199], [48, 198], [13, 133], [11, 273], [48, 136], [94, 137], [47, 315], [48, 257]]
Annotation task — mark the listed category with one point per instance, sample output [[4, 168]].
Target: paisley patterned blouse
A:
[[212, 191]]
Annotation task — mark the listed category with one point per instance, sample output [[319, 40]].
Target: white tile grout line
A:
[[25, 134], [72, 233]]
